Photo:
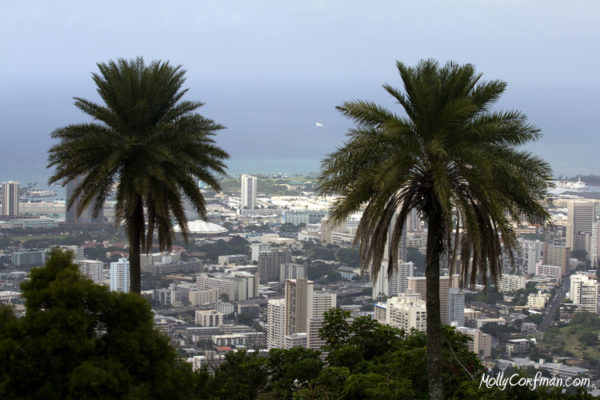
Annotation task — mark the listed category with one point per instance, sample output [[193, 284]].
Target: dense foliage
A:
[[77, 340]]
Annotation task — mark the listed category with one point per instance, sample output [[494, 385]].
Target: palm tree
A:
[[149, 144], [451, 158]]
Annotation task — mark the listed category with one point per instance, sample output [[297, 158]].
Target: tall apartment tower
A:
[[584, 292], [276, 311], [299, 295], [248, 192], [395, 283], [119, 276], [456, 307], [594, 254], [530, 253], [557, 256], [322, 302], [417, 284], [269, 263], [580, 217], [87, 216], [10, 198]]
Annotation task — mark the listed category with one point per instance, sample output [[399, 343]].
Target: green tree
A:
[[146, 141], [453, 160], [77, 340]]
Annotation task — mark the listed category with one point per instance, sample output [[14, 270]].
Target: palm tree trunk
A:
[[135, 229], [434, 326]]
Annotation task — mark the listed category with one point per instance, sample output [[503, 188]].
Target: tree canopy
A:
[[77, 340]]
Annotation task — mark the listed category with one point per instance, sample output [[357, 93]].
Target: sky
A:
[[270, 70]]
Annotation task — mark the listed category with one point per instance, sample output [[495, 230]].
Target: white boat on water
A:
[[569, 186]]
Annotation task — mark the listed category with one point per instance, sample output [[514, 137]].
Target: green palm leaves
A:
[[450, 155], [455, 161], [145, 141]]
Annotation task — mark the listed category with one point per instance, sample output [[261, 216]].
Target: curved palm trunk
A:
[[434, 326], [135, 231]]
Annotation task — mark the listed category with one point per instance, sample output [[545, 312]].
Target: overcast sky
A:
[[269, 70]]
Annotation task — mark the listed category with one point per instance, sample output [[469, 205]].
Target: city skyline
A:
[[276, 93]]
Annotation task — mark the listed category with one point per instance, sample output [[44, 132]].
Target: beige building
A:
[[557, 256], [299, 304], [511, 283], [407, 311], [200, 297], [209, 318], [481, 343], [418, 284], [537, 301]]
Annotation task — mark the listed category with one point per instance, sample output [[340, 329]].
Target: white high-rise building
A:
[[119, 276], [584, 292], [530, 253], [394, 284], [248, 192], [92, 269], [276, 324], [10, 198]]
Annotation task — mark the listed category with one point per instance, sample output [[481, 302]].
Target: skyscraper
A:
[[87, 216], [276, 323], [119, 276], [10, 198], [269, 263], [456, 306], [580, 217], [248, 192], [299, 305], [395, 283]]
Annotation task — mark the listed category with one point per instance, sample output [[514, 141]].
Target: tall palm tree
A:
[[149, 144], [453, 159]]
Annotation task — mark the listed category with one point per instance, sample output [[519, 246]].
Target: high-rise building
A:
[[295, 340], [413, 221], [10, 198], [92, 269], [87, 215], [456, 307], [530, 253], [258, 248], [407, 311], [322, 302], [480, 343], [248, 192], [395, 283], [299, 294], [584, 292], [291, 271], [557, 256], [269, 263], [119, 276], [276, 324], [580, 217], [418, 284], [594, 254], [402, 243]]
